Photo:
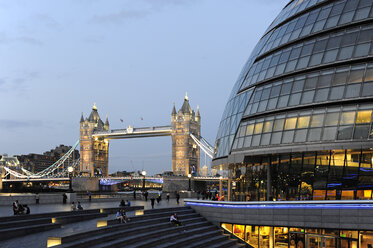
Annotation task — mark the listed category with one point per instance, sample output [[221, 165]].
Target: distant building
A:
[[38, 162]]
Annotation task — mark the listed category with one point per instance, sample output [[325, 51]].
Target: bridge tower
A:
[[185, 152], [94, 159]]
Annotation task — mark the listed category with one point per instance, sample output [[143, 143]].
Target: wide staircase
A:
[[152, 229]]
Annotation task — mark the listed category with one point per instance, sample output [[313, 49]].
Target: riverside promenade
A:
[[40, 239]]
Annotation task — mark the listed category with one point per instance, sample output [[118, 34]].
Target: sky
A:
[[133, 58]]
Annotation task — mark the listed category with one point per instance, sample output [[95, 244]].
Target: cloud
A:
[[16, 124], [5, 39], [19, 83], [119, 17], [94, 39]]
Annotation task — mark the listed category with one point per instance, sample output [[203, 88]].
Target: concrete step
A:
[[208, 241], [133, 240], [154, 219], [167, 237], [193, 239], [160, 210], [105, 234], [14, 232], [23, 223], [77, 218], [226, 243]]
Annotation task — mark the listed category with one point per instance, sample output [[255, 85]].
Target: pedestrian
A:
[[168, 196], [122, 203], [128, 203], [79, 206], [15, 207], [175, 220], [177, 197], [119, 216], [152, 200], [146, 195], [64, 198], [73, 206], [89, 195], [198, 195], [37, 198], [27, 209], [134, 194]]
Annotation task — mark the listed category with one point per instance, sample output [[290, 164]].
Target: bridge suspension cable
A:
[[204, 145], [51, 169]]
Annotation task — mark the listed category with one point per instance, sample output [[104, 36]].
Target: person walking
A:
[[146, 195], [134, 194], [37, 198], [89, 195], [152, 200], [64, 198], [168, 196], [177, 197]]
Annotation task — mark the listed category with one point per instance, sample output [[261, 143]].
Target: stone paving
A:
[[40, 239]]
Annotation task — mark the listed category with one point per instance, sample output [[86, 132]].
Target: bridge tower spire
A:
[[94, 159], [185, 152]]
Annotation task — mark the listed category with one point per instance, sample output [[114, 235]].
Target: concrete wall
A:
[[84, 184], [354, 215], [172, 184]]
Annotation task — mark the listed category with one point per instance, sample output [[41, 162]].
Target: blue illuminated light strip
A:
[[274, 206]]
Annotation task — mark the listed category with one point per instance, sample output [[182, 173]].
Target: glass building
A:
[[298, 122]]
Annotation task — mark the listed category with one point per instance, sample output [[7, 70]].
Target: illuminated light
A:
[[53, 241], [139, 212], [54, 220], [278, 206], [101, 223], [101, 210], [70, 169]]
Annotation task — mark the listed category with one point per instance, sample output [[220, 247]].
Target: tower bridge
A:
[[95, 136]]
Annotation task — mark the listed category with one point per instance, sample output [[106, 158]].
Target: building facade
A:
[[298, 126], [185, 152], [94, 159]]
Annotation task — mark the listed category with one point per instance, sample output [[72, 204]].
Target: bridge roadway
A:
[[130, 132]]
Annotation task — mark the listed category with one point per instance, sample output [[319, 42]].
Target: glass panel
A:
[[249, 129], [347, 118], [268, 126], [264, 236], [307, 96], [368, 89], [364, 116], [345, 132], [290, 123], [329, 133], [252, 235], [278, 125], [300, 135], [331, 119], [317, 120], [314, 134], [303, 121], [287, 137], [361, 132], [258, 128], [281, 237], [239, 231], [353, 90], [337, 92], [321, 95]]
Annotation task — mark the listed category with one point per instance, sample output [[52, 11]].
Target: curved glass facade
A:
[[298, 123]]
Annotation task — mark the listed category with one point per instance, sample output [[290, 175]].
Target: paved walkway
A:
[[40, 239]]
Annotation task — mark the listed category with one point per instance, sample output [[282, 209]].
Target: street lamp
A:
[[143, 173], [70, 169], [190, 177]]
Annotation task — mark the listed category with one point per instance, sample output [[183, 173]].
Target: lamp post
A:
[[70, 169], [190, 177], [220, 187], [143, 173]]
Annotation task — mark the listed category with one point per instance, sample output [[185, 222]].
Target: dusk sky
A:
[[133, 58]]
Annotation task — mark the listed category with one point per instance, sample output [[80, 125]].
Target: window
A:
[[258, 128], [361, 132], [300, 135], [307, 96], [290, 123], [314, 134], [345, 132], [267, 126], [331, 119], [347, 118], [353, 90], [364, 116], [250, 129], [303, 122], [278, 125], [329, 133], [317, 120], [337, 92]]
